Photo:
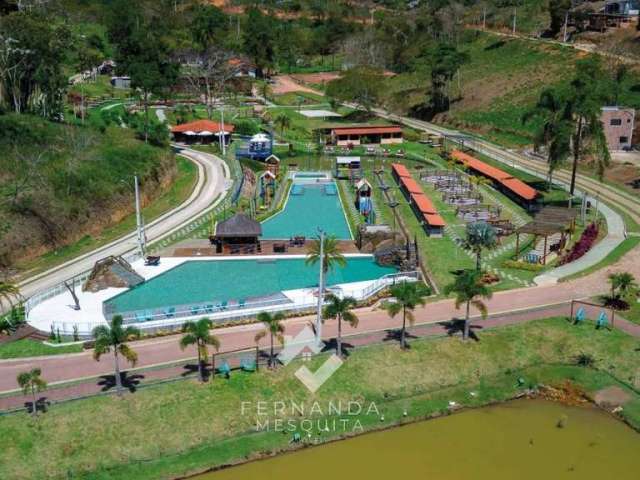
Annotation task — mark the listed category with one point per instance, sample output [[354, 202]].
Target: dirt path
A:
[[286, 84]]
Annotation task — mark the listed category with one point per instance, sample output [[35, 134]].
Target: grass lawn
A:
[[178, 192], [32, 348], [184, 426]]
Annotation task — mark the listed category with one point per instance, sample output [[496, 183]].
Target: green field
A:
[[178, 427], [32, 348]]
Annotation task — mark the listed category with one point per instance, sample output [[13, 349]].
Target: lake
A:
[[519, 439]]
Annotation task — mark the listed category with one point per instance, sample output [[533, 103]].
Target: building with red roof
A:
[[202, 131], [366, 135]]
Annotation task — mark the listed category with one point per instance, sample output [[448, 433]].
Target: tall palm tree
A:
[[9, 293], [480, 236], [283, 121], [198, 334], [340, 309], [622, 283], [408, 295], [32, 383], [469, 289], [114, 337], [331, 253], [555, 128], [274, 328], [586, 99]]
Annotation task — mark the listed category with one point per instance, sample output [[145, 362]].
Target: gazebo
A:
[[549, 221], [238, 234], [202, 131]]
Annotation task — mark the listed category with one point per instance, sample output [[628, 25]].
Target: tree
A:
[[554, 132], [445, 61], [259, 40], [208, 25], [480, 236], [360, 85], [557, 12], [332, 256], [88, 59], [9, 293], [469, 289], [407, 295], [586, 98], [274, 328], [198, 334], [208, 70], [31, 383], [283, 121], [621, 284], [340, 309], [114, 337]]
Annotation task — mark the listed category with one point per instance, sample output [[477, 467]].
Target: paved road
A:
[[211, 185]]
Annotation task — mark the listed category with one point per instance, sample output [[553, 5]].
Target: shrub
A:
[[530, 267], [246, 126], [582, 246]]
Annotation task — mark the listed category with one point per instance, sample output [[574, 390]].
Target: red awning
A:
[[410, 185], [423, 204], [434, 220], [520, 188], [400, 170]]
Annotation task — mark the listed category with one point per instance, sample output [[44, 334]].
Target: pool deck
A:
[[58, 311], [202, 248]]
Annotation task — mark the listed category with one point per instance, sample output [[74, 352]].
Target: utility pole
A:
[[320, 291], [515, 19], [140, 227], [223, 142]]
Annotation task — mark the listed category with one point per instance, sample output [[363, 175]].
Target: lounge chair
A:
[[139, 317], [170, 312], [209, 308], [223, 306], [195, 310], [224, 369], [148, 315], [242, 303], [248, 364], [152, 261]]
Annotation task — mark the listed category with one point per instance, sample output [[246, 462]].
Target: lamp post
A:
[[139, 225], [320, 291]]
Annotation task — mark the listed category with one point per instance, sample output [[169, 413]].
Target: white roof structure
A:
[[347, 160], [260, 137], [319, 114], [272, 159]]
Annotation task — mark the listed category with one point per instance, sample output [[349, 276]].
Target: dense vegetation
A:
[[58, 182]]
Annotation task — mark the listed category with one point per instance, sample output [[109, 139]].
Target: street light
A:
[[139, 222], [320, 290]]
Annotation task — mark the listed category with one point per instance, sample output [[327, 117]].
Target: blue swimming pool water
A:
[[310, 206], [201, 282]]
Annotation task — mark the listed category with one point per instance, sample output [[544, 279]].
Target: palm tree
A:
[[283, 121], [331, 251], [585, 102], [555, 129], [340, 309], [9, 293], [469, 289], [197, 333], [622, 283], [115, 337], [408, 295], [480, 235], [274, 328], [32, 383]]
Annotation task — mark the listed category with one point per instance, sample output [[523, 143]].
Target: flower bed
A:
[[583, 245]]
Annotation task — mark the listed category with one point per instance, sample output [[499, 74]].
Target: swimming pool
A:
[[216, 281], [310, 206]]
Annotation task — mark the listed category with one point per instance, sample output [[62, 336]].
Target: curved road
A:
[[213, 181]]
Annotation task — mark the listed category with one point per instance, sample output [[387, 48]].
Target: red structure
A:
[[202, 131]]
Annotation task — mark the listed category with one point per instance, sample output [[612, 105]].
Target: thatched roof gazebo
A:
[[238, 234]]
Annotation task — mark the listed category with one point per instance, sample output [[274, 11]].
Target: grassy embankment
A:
[[181, 427], [32, 348]]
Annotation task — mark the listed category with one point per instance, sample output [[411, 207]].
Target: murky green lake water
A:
[[518, 440]]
